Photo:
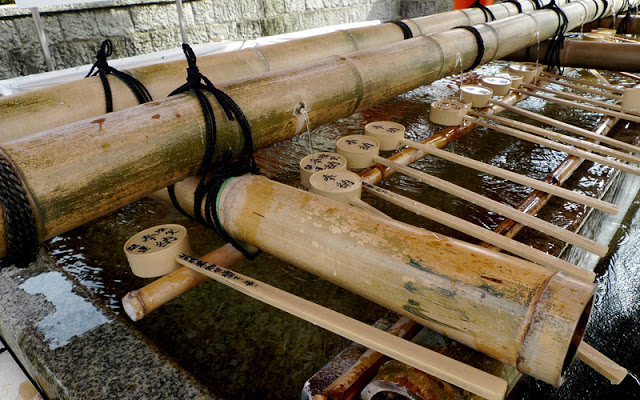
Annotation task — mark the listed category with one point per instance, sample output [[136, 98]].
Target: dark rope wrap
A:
[[515, 3], [538, 4], [225, 168], [604, 9], [552, 56], [406, 31], [488, 15], [103, 69], [625, 24], [480, 43], [19, 222]]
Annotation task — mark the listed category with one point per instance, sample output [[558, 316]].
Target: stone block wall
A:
[[143, 26]]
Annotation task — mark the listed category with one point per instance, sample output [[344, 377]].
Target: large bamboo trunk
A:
[[69, 102], [75, 173], [586, 54], [520, 313]]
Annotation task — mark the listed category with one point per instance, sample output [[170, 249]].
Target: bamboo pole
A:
[[570, 128], [610, 56], [510, 245], [579, 143], [445, 368], [514, 177], [492, 205], [153, 145], [69, 102], [416, 273], [558, 146]]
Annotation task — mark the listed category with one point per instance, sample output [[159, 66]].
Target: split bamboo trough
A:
[[518, 312]]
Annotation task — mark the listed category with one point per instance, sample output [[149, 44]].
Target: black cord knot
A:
[[102, 69], [206, 192], [552, 56]]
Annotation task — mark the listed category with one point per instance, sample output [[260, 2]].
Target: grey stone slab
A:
[[79, 26], [9, 34], [77, 349], [202, 12], [149, 18], [114, 22]]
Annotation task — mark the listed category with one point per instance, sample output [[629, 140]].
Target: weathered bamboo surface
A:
[[520, 313], [610, 56], [122, 156], [69, 102]]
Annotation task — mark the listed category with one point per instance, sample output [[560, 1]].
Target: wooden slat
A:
[[570, 96], [582, 88]]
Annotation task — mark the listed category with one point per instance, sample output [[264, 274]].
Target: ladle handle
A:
[[455, 372]]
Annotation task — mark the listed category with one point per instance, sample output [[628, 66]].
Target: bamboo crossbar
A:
[[558, 146], [473, 230], [578, 143], [609, 88], [584, 89], [515, 177], [570, 96], [569, 128], [492, 205]]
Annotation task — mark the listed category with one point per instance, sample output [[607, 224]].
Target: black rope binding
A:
[[552, 56], [538, 4], [20, 225], [480, 43], [515, 3], [406, 31], [604, 9], [488, 15], [625, 24], [103, 69], [224, 167]]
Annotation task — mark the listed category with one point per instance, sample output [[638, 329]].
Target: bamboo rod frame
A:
[[403, 268]]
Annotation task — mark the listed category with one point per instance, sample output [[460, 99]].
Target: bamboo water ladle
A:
[[167, 253]]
